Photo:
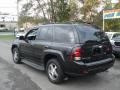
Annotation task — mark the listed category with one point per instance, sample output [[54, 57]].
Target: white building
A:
[[8, 22], [8, 25]]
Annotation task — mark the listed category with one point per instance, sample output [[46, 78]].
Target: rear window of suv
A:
[[89, 33]]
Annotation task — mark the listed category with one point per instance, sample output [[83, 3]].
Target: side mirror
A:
[[21, 38]]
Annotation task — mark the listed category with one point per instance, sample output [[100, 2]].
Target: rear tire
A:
[[16, 56], [54, 71]]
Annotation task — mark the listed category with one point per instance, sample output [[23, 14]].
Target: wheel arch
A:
[[13, 46], [50, 55]]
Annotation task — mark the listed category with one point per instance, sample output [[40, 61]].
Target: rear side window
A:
[[45, 33], [88, 33], [64, 34]]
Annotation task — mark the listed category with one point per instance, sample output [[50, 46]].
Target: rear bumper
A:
[[80, 68]]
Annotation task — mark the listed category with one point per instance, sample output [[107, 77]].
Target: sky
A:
[[8, 6]]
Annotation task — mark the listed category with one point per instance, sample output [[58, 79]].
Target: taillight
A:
[[75, 54]]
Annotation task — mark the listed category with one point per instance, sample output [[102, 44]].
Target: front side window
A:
[[64, 34], [32, 34]]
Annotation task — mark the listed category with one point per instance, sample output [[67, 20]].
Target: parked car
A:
[[3, 27], [20, 33], [114, 38], [64, 50]]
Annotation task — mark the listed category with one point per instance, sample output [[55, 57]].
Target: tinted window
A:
[[45, 33], [32, 34], [88, 33], [116, 36], [64, 34]]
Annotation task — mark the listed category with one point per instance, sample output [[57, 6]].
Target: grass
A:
[[7, 37]]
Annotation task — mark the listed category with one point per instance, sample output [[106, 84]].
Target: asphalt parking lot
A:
[[24, 77]]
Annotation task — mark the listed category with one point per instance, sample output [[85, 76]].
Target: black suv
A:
[[64, 49]]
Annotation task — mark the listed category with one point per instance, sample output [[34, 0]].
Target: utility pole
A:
[[18, 14], [103, 22], [26, 27]]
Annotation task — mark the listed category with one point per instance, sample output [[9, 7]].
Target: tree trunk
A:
[[53, 12], [42, 9]]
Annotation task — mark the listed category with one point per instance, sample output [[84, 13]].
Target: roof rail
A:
[[73, 22], [66, 22]]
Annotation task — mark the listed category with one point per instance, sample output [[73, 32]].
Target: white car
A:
[[114, 38], [20, 33]]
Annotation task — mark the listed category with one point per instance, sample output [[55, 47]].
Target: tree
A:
[[30, 19], [25, 9], [117, 6], [89, 9], [41, 6], [51, 10], [62, 11]]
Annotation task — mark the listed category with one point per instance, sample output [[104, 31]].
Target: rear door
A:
[[95, 43], [64, 39]]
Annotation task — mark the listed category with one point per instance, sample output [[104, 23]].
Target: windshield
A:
[[116, 36], [88, 33]]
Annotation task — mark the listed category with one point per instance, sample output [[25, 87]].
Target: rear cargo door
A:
[[96, 45]]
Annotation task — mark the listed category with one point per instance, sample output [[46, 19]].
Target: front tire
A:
[[16, 56], [54, 72]]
